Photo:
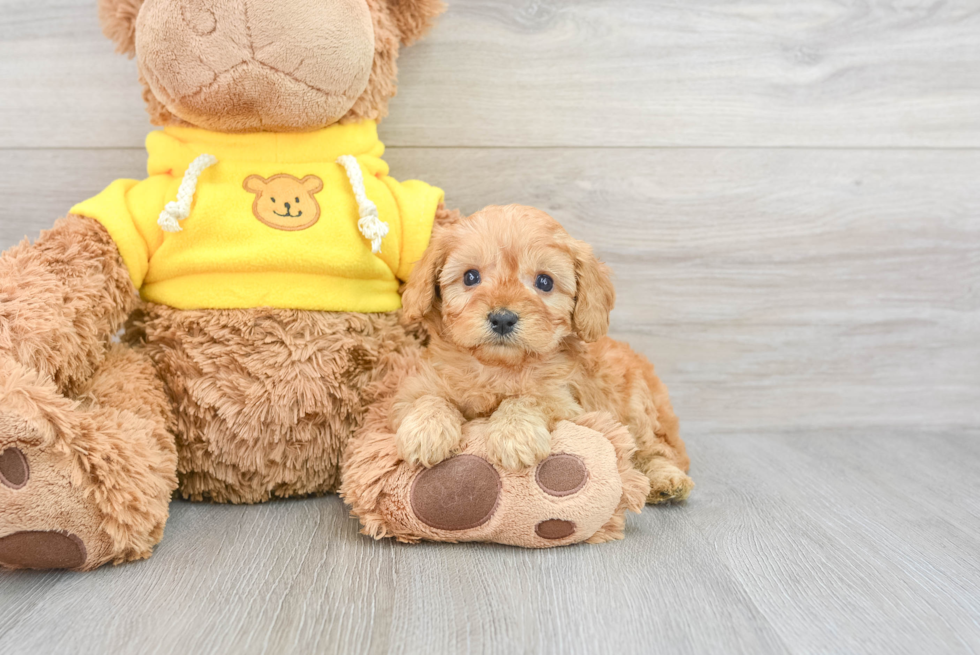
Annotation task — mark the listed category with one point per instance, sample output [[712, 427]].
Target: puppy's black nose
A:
[[502, 321]]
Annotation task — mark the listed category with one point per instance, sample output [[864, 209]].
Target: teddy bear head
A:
[[265, 65]]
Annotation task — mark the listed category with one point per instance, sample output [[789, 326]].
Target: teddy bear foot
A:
[[88, 481], [45, 521], [578, 493]]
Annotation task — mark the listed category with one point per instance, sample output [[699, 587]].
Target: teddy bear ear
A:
[[255, 183], [118, 18], [414, 17], [312, 184]]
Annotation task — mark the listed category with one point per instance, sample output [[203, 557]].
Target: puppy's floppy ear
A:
[[422, 290], [118, 18], [414, 17], [595, 295]]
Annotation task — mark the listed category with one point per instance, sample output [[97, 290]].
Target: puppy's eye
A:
[[544, 282], [471, 278]]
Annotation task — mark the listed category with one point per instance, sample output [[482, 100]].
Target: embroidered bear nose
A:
[[287, 206], [502, 321]]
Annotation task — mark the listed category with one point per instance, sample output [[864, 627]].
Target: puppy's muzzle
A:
[[502, 321]]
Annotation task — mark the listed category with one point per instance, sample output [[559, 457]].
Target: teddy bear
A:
[[252, 280]]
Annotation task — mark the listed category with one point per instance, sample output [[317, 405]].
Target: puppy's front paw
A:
[[668, 484], [517, 443], [430, 433]]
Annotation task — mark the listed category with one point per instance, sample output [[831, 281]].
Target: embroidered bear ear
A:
[[118, 18], [312, 184], [255, 183], [414, 17]]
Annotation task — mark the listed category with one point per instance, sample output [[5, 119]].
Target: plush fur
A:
[[60, 298], [555, 365], [267, 398]]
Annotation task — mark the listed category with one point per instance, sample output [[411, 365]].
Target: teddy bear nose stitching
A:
[[502, 321], [287, 206]]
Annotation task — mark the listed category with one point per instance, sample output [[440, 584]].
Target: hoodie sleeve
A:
[[417, 205], [123, 209]]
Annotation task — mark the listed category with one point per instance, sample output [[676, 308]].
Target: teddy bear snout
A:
[[246, 66]]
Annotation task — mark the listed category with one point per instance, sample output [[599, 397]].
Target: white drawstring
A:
[[178, 210], [370, 225]]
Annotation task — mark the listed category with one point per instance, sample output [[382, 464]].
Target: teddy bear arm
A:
[[62, 298]]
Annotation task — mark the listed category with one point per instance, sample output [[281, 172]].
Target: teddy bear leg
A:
[[88, 480], [580, 492]]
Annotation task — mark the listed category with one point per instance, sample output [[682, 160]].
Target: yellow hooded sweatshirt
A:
[[273, 220]]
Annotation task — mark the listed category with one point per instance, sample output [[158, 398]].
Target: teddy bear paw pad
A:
[[459, 493], [42, 550]]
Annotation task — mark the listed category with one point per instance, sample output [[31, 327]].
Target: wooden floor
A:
[[789, 195]]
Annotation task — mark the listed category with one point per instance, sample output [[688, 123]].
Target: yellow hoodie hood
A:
[[268, 219]]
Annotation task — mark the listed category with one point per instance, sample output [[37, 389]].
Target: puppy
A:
[[517, 313]]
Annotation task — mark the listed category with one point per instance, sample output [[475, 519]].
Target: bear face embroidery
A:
[[285, 202]]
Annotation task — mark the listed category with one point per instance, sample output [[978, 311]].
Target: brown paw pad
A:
[[561, 475], [554, 529], [458, 494], [41, 550], [14, 471]]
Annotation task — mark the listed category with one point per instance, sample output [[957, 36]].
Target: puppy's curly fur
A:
[[554, 363]]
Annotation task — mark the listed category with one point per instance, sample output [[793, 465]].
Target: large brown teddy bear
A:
[[268, 244], [256, 272]]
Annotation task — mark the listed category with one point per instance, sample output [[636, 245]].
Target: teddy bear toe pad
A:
[[554, 529], [14, 470], [36, 549], [561, 475]]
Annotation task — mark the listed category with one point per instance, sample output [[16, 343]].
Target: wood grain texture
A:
[[584, 72], [848, 542], [771, 288]]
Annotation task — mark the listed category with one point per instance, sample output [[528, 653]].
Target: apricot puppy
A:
[[517, 311]]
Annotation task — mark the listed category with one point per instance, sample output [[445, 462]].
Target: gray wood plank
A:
[[588, 73], [770, 287], [869, 514], [791, 543]]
